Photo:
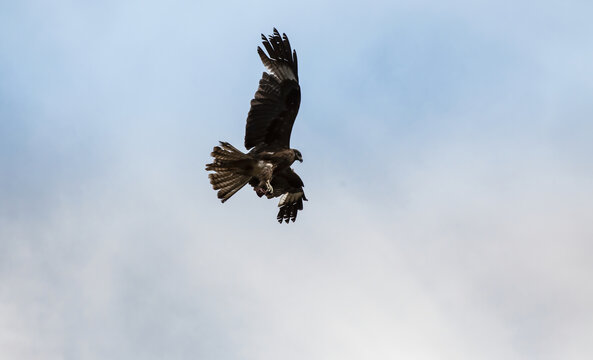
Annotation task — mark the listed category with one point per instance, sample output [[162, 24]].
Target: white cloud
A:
[[480, 259]]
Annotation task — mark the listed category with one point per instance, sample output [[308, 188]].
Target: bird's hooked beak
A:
[[299, 157]]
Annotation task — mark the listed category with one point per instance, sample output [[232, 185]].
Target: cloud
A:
[[477, 259]]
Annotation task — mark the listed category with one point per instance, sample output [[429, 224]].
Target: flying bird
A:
[[267, 165]]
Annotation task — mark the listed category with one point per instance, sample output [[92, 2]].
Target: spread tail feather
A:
[[227, 178], [227, 183], [224, 155]]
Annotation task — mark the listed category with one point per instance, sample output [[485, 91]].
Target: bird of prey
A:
[[266, 167]]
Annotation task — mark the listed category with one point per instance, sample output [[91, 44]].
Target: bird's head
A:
[[297, 155]]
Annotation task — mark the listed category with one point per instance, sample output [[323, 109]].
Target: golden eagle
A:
[[274, 108]]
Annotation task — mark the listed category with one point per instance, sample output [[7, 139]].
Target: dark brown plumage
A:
[[269, 124]]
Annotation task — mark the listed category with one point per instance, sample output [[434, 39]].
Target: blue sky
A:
[[447, 152]]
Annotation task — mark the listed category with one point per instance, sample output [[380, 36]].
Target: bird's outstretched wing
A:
[[276, 103], [288, 186]]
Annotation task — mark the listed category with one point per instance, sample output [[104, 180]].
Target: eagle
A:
[[267, 164]]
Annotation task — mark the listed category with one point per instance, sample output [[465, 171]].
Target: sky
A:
[[447, 161]]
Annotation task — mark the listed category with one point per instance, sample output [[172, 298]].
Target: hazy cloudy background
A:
[[448, 162]]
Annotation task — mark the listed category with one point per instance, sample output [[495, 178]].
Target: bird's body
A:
[[273, 111]]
